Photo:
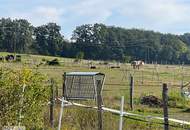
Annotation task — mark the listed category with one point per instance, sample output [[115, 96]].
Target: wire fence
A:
[[146, 79], [149, 119]]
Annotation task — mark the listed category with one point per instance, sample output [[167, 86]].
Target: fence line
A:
[[125, 113]]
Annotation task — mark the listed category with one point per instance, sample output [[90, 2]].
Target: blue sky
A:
[[166, 16]]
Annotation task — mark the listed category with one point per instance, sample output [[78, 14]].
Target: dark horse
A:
[[9, 57]]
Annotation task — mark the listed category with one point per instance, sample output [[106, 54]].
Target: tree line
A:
[[94, 41]]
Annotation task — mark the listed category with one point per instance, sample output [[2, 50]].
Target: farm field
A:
[[148, 81]]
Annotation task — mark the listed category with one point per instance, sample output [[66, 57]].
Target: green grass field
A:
[[148, 81]]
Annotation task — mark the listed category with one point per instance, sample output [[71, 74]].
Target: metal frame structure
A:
[[82, 85]]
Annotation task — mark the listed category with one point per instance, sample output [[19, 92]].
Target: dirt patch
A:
[[151, 101]]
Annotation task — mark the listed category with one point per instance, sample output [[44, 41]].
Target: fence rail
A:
[[126, 114]]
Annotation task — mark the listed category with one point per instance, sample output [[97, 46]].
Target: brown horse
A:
[[137, 64]]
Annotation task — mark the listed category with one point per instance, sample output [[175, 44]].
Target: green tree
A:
[[15, 35], [48, 39], [79, 56], [126, 59]]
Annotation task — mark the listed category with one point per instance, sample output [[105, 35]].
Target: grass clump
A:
[[177, 101]]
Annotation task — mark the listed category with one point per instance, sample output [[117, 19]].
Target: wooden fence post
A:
[[131, 91], [182, 81], [64, 78], [56, 91], [99, 104], [52, 103], [165, 106], [121, 114]]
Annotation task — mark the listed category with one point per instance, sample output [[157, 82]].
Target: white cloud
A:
[[40, 15], [160, 11], [155, 13], [160, 15], [50, 13], [92, 10]]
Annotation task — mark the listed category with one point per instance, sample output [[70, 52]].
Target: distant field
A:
[[148, 81]]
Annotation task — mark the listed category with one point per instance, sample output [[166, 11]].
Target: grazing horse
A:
[[9, 57], [137, 64]]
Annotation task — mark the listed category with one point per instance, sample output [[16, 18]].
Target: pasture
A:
[[148, 81]]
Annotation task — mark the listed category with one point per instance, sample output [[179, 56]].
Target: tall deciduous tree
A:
[[48, 39], [15, 35]]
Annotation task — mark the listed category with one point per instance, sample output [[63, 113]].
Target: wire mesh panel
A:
[[81, 85]]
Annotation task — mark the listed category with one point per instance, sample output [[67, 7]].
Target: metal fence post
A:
[[99, 104], [61, 113], [121, 114]]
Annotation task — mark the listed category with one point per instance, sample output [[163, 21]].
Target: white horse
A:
[[137, 64]]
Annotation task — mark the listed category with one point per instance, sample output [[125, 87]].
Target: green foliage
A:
[[16, 35], [35, 98], [43, 59], [126, 59], [48, 39], [176, 100], [96, 41], [79, 56], [103, 42]]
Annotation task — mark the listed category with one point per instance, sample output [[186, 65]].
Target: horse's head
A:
[[142, 62]]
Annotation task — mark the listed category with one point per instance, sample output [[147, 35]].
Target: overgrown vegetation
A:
[[177, 101], [22, 93]]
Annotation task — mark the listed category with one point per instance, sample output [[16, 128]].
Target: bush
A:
[[43, 59], [126, 59], [176, 100], [35, 97], [79, 56]]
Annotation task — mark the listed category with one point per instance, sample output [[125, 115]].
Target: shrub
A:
[[35, 97], [126, 59], [79, 56], [176, 100], [43, 59]]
